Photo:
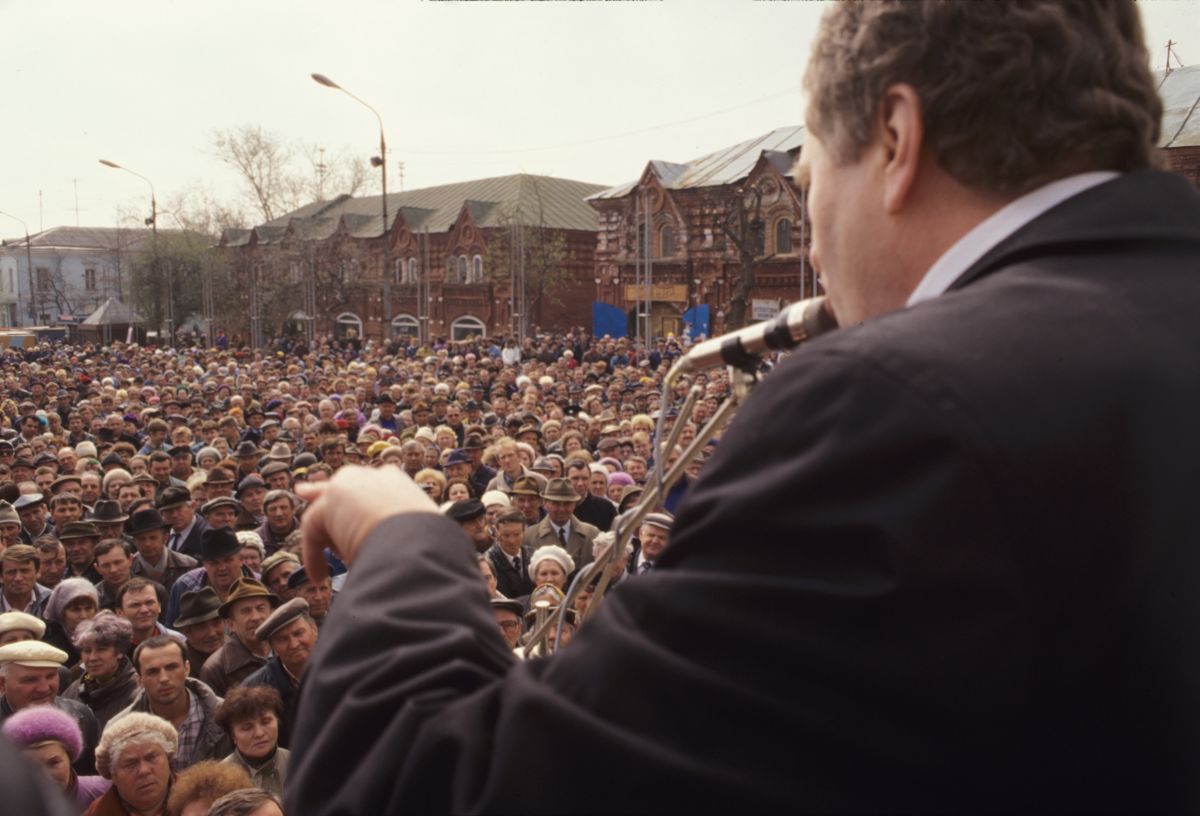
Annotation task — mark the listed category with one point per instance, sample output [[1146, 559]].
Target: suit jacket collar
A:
[[1145, 207]]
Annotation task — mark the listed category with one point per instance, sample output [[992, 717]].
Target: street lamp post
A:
[[381, 162], [152, 222], [28, 263]]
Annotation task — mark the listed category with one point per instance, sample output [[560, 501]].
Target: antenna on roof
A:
[[401, 166], [1171, 52], [321, 169]]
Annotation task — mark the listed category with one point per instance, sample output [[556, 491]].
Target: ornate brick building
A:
[[453, 253], [724, 225]]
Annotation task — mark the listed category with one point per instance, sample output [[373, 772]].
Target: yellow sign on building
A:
[[662, 291]]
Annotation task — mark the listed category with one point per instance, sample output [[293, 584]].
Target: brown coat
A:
[[229, 666]]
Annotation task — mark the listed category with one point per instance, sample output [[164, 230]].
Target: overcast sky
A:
[[582, 90]]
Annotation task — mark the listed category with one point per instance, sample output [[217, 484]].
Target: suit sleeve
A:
[[789, 651]]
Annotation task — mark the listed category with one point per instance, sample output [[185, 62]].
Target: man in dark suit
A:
[[509, 558], [187, 528], [944, 559], [594, 510]]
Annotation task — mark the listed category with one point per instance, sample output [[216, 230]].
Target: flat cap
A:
[[28, 500], [218, 503], [281, 617], [663, 520], [250, 482], [275, 559], [33, 653], [22, 621]]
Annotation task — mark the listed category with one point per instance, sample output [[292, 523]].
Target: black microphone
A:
[[794, 324]]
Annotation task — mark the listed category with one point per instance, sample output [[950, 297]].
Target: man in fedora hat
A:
[[291, 632], [187, 529], [481, 474], [248, 606], [153, 560], [220, 566], [201, 623], [560, 526], [219, 483], [526, 495], [79, 539], [248, 454], [109, 520]]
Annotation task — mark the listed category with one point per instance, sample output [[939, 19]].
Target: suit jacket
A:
[[177, 564], [579, 540], [597, 512], [509, 582], [191, 545], [944, 560]]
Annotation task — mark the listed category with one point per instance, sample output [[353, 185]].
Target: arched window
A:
[[783, 236], [405, 326], [346, 323], [451, 270], [466, 327], [666, 241], [477, 269], [399, 273], [462, 269], [412, 271]]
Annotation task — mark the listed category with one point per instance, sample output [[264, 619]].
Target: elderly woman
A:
[[617, 483], [253, 551], [109, 682], [432, 482], [551, 564], [250, 716], [51, 739], [111, 485], [135, 753], [72, 602], [196, 789]]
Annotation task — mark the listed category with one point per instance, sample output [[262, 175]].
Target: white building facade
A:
[[74, 270]]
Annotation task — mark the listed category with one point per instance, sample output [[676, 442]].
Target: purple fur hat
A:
[[42, 723]]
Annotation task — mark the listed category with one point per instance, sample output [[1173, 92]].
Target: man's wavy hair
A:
[[1014, 94]]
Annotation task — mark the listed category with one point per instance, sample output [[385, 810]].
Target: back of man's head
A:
[[1013, 95]]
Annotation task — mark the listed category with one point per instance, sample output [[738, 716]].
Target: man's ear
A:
[[902, 136]]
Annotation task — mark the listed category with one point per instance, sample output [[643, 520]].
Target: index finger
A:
[[313, 531]]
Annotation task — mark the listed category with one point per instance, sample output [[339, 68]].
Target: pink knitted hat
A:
[[41, 723]]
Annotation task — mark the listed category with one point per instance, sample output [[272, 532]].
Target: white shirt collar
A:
[[998, 226]]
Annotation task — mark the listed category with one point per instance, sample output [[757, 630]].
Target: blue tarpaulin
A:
[[696, 320], [608, 319]]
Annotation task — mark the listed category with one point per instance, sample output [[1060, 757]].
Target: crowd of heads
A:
[[157, 620]]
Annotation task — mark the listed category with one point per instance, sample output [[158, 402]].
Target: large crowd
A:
[[155, 617]]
